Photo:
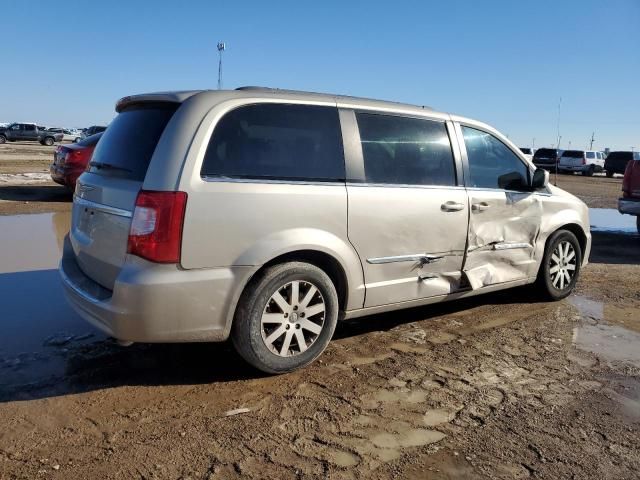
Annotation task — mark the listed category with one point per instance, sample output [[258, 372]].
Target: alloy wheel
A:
[[562, 266], [293, 318]]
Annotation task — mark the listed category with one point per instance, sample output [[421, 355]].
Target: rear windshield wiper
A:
[[108, 166]]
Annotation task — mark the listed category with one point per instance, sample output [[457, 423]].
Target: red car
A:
[[69, 161], [630, 201]]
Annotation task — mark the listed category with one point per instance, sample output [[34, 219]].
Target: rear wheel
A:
[[48, 141], [589, 171], [286, 317], [3, 139], [560, 267], [638, 223], [609, 174]]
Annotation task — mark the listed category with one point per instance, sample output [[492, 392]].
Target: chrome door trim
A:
[[415, 257], [509, 246], [119, 212]]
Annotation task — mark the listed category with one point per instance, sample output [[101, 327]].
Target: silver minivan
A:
[[267, 215]]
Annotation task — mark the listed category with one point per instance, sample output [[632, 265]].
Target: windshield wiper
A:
[[108, 166]]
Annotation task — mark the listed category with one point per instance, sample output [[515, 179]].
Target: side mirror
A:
[[540, 179]]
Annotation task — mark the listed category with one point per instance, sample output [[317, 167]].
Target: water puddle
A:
[[37, 327], [610, 220], [610, 332]]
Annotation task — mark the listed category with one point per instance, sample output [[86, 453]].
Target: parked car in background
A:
[[547, 158], [616, 162], [527, 152], [67, 135], [169, 242], [630, 201], [69, 161], [28, 132], [586, 162], [87, 132]]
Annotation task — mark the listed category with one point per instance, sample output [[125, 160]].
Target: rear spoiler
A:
[[160, 97]]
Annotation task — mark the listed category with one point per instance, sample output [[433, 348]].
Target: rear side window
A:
[[405, 151], [277, 141], [127, 146]]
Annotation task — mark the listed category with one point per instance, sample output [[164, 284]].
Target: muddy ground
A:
[[500, 386]]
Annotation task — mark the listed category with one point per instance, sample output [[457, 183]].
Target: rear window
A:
[[620, 156], [526, 151], [127, 146], [591, 154], [546, 153], [573, 153], [90, 141]]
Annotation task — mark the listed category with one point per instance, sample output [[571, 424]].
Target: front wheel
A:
[[560, 265], [3, 139], [48, 141], [286, 317]]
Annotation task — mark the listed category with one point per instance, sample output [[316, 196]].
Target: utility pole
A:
[[592, 139], [533, 144], [221, 48]]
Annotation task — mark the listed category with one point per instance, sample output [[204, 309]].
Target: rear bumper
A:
[[156, 303], [573, 168], [65, 176], [629, 206]]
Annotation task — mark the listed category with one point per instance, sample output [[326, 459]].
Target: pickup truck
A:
[[28, 132]]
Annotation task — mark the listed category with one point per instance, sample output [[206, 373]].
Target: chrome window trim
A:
[[404, 185], [270, 181], [102, 208]]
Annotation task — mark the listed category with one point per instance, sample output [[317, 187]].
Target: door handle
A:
[[480, 207], [451, 206]]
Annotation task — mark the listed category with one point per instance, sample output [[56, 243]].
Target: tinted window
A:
[[408, 151], [29, 128], [573, 153], [620, 156], [276, 141], [491, 163], [546, 153], [128, 145], [526, 151], [591, 154], [90, 141]]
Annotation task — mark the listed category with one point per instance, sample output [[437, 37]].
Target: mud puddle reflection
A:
[[38, 330], [610, 220], [609, 331]]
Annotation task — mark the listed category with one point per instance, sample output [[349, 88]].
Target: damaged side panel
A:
[[503, 230]]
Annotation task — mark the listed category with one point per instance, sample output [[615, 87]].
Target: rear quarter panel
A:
[[248, 223]]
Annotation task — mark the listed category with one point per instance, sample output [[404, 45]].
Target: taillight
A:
[[584, 161], [626, 180], [156, 227]]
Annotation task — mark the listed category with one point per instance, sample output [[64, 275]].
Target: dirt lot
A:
[[500, 386]]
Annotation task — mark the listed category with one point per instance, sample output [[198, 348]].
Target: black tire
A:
[[638, 223], [3, 139], [589, 171], [247, 332], [48, 141], [545, 281], [609, 174]]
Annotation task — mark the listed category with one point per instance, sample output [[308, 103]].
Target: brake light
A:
[[156, 227], [584, 161]]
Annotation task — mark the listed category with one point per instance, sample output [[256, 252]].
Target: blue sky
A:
[[503, 62]]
